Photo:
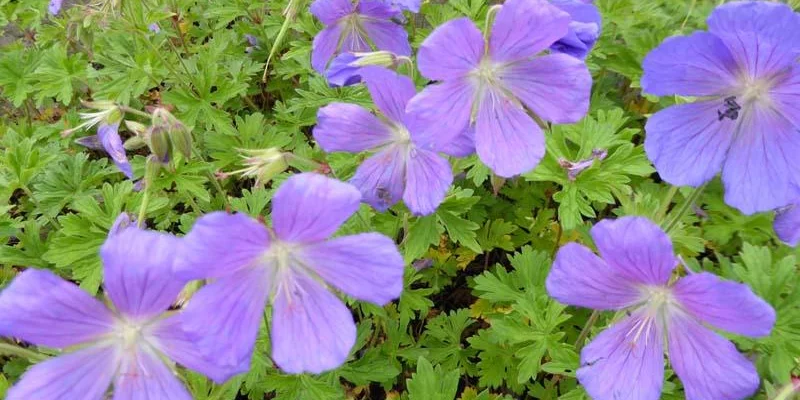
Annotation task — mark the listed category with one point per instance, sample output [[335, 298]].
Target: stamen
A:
[[731, 109]]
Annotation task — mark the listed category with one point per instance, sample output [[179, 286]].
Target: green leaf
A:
[[430, 383], [461, 230], [422, 233], [58, 73]]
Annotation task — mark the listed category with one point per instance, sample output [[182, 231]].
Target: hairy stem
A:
[[586, 328], [677, 215], [143, 207], [15, 350]]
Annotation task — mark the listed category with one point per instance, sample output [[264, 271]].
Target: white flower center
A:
[[657, 303], [400, 134], [129, 333], [755, 91]]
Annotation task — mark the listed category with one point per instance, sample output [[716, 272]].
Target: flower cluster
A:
[[481, 104], [289, 265], [493, 94]]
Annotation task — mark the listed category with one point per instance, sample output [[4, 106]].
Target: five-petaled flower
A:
[[787, 224], [292, 265], [633, 275], [746, 121], [127, 344], [358, 28], [483, 85], [405, 164]]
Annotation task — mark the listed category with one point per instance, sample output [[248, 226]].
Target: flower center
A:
[[757, 90], [129, 333], [657, 302], [659, 298], [486, 73], [400, 134], [279, 254]]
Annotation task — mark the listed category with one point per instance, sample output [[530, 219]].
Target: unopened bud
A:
[[137, 128], [135, 143], [182, 140], [159, 143], [179, 135]]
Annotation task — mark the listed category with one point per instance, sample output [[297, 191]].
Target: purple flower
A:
[[54, 7], [746, 120], [484, 85], [351, 28], [125, 345], [787, 224], [343, 71], [122, 223], [409, 5], [405, 164], [253, 43], [583, 30], [292, 265], [154, 27], [108, 139], [633, 274], [575, 168]]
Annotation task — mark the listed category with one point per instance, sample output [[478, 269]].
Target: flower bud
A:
[[136, 127], [135, 143], [159, 143], [179, 135]]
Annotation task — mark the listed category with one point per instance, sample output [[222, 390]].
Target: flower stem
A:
[[662, 212], [143, 207], [289, 15], [134, 111], [586, 328], [786, 392], [219, 188], [14, 350], [678, 214]]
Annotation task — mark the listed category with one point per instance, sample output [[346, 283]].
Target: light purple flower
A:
[[253, 43], [575, 168], [583, 30], [746, 120], [633, 274], [409, 5], [787, 224], [154, 27], [125, 346], [108, 139], [292, 266], [54, 7], [483, 87], [352, 27], [405, 164], [343, 71]]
